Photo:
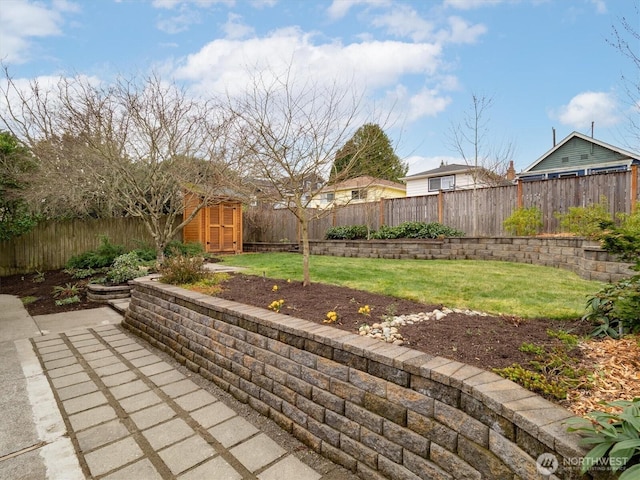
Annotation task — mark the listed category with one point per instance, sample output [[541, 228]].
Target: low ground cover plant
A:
[[589, 221], [385, 232]]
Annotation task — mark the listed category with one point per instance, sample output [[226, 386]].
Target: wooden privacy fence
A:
[[50, 245], [456, 209]]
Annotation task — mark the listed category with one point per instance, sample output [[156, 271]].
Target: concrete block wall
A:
[[578, 255], [382, 411]]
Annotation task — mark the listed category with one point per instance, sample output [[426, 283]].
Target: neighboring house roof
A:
[[548, 162], [441, 170], [363, 182]]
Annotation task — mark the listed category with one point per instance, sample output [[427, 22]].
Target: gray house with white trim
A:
[[579, 155]]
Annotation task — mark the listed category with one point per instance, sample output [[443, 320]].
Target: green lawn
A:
[[524, 290]]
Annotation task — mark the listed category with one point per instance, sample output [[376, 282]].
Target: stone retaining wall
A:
[[382, 411], [581, 256]]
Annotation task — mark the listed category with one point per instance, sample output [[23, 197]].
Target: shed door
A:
[[221, 228]]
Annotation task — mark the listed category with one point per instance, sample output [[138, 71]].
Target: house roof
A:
[[624, 153], [363, 182], [441, 170]]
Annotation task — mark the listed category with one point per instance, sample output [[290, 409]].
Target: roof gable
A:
[[364, 182], [441, 170], [578, 150]]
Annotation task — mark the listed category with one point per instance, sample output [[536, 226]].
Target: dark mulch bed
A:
[[487, 342], [41, 287]]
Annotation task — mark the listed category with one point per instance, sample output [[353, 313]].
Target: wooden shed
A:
[[218, 226]]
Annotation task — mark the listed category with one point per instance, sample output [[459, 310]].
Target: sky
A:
[[544, 64]]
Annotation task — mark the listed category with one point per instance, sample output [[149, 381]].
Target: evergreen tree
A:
[[368, 152]]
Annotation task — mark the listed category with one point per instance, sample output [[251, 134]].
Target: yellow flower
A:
[[276, 305], [332, 317], [366, 310], [275, 288]]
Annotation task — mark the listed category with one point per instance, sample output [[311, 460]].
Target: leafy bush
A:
[[191, 249], [416, 230], [615, 310], [349, 232], [524, 222], [589, 221], [126, 267], [102, 257], [181, 269], [615, 438], [66, 291]]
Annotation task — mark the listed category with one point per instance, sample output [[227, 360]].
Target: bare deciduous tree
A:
[[488, 162], [290, 131], [136, 146]]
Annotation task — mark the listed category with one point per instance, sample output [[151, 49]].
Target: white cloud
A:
[[599, 107], [601, 6], [171, 4], [461, 31], [339, 8], [23, 20], [235, 29], [472, 4], [178, 23]]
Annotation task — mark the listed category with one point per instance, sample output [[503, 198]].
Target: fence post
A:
[[519, 194], [634, 187], [440, 207]]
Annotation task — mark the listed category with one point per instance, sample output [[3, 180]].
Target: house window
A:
[[359, 194], [584, 156], [565, 159], [568, 174], [329, 197], [442, 183]]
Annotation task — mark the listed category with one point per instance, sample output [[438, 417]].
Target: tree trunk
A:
[[304, 227]]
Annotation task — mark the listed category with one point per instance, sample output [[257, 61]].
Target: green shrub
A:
[[126, 267], [589, 221], [615, 438], [416, 230], [524, 222], [349, 232], [191, 249], [102, 257], [181, 269]]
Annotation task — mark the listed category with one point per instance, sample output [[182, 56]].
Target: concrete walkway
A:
[[82, 398]]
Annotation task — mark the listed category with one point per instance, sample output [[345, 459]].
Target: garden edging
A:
[[372, 407]]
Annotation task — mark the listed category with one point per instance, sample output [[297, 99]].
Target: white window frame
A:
[[360, 194], [447, 182]]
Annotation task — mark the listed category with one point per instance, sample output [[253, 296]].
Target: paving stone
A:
[[128, 389], [216, 468], [142, 469], [129, 348], [257, 452], [103, 361], [177, 389], [183, 455], [56, 355], [76, 390], [62, 371], [79, 336], [92, 417], [85, 343], [212, 414], [99, 435], [155, 368], [166, 377], [70, 380], [152, 416], [91, 348], [124, 340], [84, 402], [194, 400], [53, 349], [113, 456], [46, 338], [139, 354], [289, 467], [233, 431], [62, 362], [50, 342], [111, 369], [139, 401], [119, 378], [98, 354], [168, 433]]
